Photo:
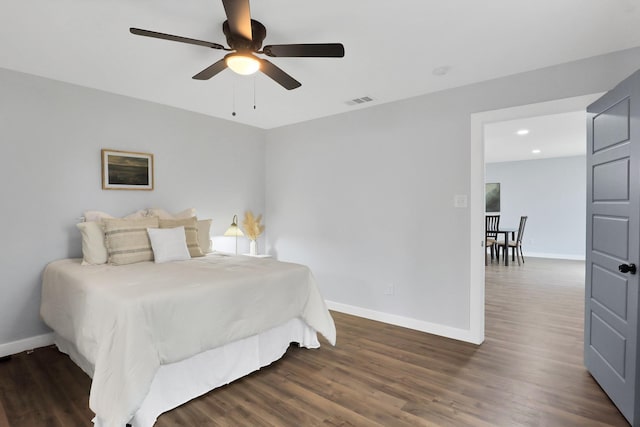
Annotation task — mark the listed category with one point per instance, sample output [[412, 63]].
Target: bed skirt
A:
[[177, 383]]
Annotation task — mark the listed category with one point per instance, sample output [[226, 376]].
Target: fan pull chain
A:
[[254, 92], [233, 113]]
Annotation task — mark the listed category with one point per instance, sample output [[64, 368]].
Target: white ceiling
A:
[[555, 135], [392, 48]]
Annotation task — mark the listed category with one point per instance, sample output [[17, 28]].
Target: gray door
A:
[[613, 245]]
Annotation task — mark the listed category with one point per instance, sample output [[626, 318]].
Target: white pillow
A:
[[168, 244], [162, 214], [190, 231], [204, 235], [94, 248]]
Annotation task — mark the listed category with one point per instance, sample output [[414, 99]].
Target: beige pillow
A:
[[204, 235], [94, 249], [190, 231], [99, 215], [162, 214], [203, 226], [127, 239]]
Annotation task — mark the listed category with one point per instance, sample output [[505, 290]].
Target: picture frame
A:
[[492, 194], [126, 170]]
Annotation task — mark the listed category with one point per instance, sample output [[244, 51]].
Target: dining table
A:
[[505, 232]]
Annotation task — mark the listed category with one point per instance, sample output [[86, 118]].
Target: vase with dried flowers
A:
[[252, 229]]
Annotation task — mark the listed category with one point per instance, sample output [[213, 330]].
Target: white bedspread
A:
[[127, 320]]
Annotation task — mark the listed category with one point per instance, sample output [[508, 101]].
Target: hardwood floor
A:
[[528, 372]]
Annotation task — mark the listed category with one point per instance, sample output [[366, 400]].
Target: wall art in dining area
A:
[[492, 194]]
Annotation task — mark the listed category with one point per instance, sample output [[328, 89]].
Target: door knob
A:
[[627, 268]]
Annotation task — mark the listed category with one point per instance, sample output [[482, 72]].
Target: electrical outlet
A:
[[390, 289]]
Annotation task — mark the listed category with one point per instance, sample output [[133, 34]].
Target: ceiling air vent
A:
[[357, 101]]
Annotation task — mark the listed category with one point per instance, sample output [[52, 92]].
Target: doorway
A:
[[477, 191]]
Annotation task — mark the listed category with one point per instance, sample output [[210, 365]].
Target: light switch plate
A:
[[460, 201]]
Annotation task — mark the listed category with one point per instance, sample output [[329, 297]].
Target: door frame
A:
[[477, 188]]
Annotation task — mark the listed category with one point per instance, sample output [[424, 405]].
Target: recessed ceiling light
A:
[[536, 151], [523, 131]]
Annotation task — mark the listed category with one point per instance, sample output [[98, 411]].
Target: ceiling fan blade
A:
[[211, 70], [154, 34], [280, 77], [239, 17], [317, 50]]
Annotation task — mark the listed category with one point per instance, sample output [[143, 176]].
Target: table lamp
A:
[[234, 230]]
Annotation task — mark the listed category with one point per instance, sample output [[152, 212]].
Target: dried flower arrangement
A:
[[251, 224]]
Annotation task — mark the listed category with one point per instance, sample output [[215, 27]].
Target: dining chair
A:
[[515, 245], [491, 236]]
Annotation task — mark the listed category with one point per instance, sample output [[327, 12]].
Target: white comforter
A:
[[127, 320]]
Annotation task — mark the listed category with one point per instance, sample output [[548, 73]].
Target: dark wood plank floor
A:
[[528, 372]]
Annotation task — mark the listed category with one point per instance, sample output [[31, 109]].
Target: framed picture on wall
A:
[[126, 170], [492, 194]]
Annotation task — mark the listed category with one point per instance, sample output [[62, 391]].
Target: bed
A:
[[154, 336]]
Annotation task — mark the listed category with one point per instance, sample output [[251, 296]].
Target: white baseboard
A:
[[44, 340], [19, 346], [406, 322], [579, 257]]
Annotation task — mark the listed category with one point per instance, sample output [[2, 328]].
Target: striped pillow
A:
[[127, 239], [190, 231]]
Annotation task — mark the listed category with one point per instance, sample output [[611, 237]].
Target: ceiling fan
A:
[[245, 37]]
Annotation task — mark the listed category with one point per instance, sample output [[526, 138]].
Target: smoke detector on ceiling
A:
[[441, 71]]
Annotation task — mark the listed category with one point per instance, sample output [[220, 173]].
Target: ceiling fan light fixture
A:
[[244, 38], [242, 64]]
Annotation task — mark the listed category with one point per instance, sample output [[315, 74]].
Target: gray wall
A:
[[366, 198], [51, 134], [552, 193]]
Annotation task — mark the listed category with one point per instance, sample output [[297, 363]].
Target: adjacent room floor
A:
[[528, 372]]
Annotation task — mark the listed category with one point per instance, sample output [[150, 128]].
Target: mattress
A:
[[127, 321]]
